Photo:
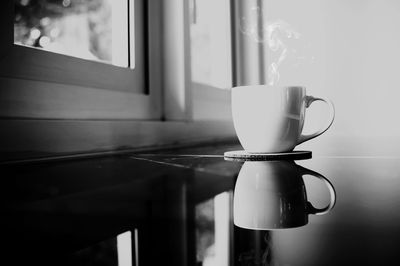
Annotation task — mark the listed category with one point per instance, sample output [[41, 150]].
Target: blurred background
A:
[[82, 29]]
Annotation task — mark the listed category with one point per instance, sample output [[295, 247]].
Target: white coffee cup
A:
[[270, 119]]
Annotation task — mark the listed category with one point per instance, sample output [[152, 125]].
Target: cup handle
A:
[[309, 100], [310, 208]]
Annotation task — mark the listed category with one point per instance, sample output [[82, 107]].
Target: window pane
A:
[[210, 43], [88, 29]]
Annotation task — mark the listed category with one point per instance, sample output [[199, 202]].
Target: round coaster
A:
[[246, 156]]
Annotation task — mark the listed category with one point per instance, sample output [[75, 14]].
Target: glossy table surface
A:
[[192, 206]]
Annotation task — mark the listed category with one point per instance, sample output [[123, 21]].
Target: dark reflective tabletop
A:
[[194, 207]]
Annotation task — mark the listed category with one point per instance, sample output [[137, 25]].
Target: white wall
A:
[[352, 52], [356, 49]]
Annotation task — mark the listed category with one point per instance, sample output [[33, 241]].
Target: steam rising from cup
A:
[[276, 36]]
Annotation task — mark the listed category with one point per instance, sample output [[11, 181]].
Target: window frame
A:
[[49, 70]]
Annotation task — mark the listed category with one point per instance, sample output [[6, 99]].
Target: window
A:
[[130, 49], [82, 46], [100, 100], [61, 26]]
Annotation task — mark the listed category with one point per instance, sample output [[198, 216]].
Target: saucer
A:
[[243, 155]]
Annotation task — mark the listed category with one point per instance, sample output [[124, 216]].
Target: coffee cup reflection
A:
[[272, 195]]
